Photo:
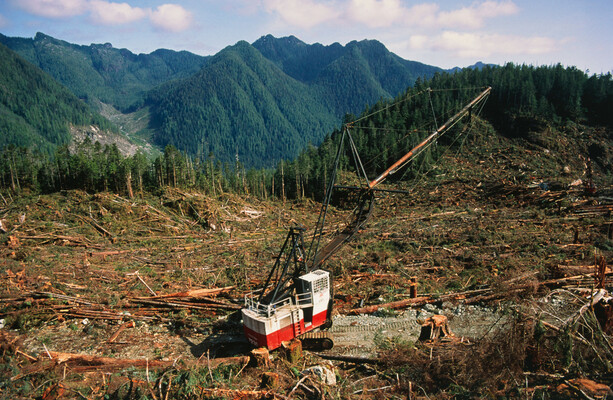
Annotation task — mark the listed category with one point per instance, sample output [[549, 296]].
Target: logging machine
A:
[[296, 299]]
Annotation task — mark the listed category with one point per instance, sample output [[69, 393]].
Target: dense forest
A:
[[102, 73], [35, 110], [263, 101], [267, 101], [523, 98]]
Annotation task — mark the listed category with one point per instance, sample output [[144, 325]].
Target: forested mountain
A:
[[35, 110], [256, 104], [100, 72], [268, 100], [541, 119], [348, 77], [240, 103], [262, 102], [550, 108]]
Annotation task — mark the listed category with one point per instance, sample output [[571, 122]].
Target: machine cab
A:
[[314, 290]]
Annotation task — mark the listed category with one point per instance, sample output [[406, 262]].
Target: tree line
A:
[[382, 134], [521, 97], [95, 168]]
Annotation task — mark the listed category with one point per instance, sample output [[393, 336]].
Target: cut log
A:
[[53, 392], [473, 296], [129, 324], [351, 359], [184, 304], [393, 305], [84, 363], [191, 293], [584, 388], [239, 394]]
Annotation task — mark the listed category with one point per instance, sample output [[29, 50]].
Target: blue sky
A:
[[444, 33]]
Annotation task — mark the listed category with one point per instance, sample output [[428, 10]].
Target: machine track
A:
[[318, 341]]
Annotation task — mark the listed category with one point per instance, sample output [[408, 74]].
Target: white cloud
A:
[[475, 15], [53, 8], [491, 9], [481, 45], [302, 13], [3, 21], [418, 42], [171, 17], [376, 13], [106, 13], [385, 13], [168, 17], [422, 14]]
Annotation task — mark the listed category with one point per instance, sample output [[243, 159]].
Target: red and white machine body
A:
[[267, 325]]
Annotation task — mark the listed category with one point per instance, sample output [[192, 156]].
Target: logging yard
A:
[[487, 278]]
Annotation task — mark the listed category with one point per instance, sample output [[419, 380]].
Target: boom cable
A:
[[420, 129]]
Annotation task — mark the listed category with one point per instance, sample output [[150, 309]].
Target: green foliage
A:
[[99, 72], [34, 109], [242, 106], [95, 168], [382, 134], [267, 101], [522, 99]]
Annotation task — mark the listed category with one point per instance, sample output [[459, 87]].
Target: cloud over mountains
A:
[[166, 17]]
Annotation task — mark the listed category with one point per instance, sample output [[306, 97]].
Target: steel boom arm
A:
[[438, 132]]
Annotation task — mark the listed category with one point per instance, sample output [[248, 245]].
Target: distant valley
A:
[[260, 102]]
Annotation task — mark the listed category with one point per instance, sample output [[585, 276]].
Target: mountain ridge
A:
[[103, 72], [249, 109], [329, 81], [36, 110]]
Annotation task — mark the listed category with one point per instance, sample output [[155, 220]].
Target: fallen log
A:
[[394, 305], [191, 293], [58, 296], [351, 359], [240, 394], [96, 225], [471, 297], [185, 304], [129, 324], [84, 363], [78, 241], [104, 254]]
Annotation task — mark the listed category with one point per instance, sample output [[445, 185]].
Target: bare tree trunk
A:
[[140, 183], [282, 183], [129, 184], [297, 183]]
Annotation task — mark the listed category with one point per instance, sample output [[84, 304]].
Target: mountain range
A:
[[35, 110], [260, 102]]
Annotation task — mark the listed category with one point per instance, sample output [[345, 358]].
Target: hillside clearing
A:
[[105, 276]]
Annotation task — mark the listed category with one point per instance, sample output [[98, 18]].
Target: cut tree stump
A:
[[270, 380], [260, 357], [293, 350], [604, 314], [413, 288], [434, 328]]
